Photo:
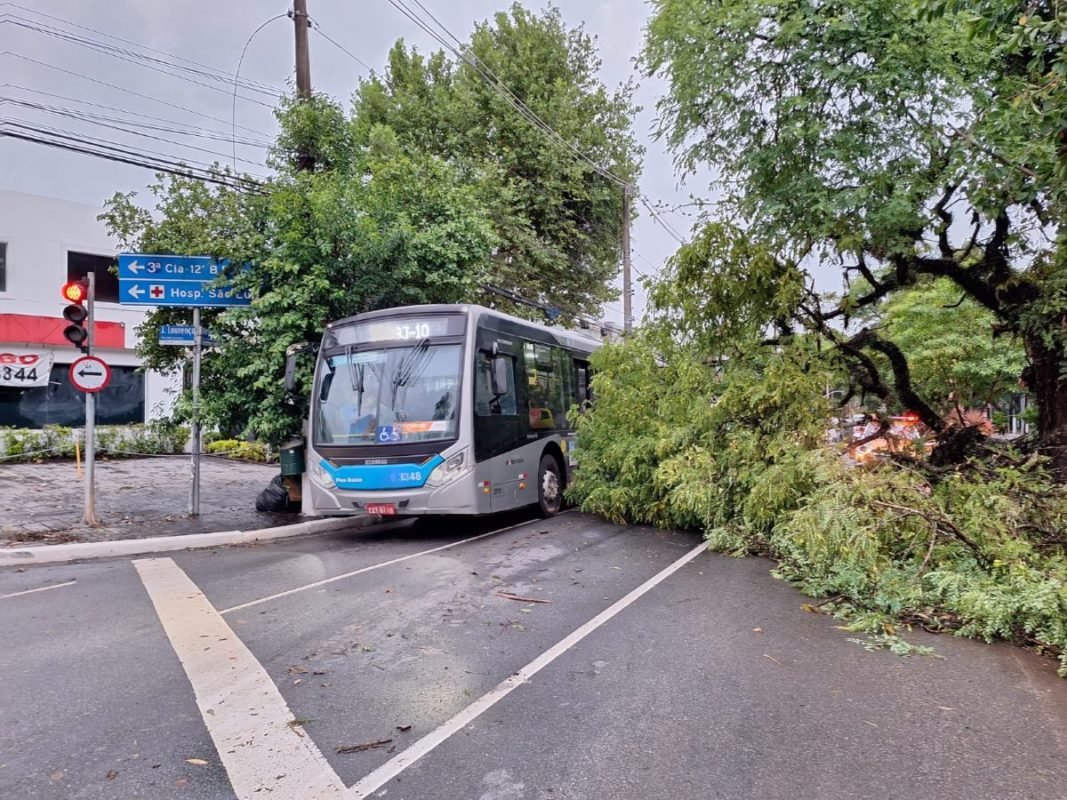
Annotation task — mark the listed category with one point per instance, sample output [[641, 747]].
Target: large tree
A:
[[365, 229], [897, 141], [557, 217]]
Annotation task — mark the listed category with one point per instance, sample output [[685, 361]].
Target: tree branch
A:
[[901, 377], [940, 208]]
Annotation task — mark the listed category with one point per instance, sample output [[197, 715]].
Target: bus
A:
[[442, 409]]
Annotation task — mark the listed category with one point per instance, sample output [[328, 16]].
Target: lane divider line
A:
[[372, 567], [390, 769], [263, 749], [40, 589]]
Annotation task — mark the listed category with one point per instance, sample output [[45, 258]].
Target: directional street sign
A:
[[90, 374], [177, 281], [188, 294], [183, 336]]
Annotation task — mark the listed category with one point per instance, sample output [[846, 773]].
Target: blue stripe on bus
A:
[[381, 476]]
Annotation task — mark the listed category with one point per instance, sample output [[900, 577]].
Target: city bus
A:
[[442, 409]]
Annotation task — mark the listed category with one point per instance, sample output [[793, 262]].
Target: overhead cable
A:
[[131, 92], [196, 67]]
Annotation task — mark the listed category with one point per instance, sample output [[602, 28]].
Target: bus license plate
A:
[[382, 509]]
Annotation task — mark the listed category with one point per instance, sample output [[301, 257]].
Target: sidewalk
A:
[[135, 498]]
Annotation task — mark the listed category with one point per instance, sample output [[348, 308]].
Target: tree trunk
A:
[[1045, 381]]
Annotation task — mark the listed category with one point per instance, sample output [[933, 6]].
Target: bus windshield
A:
[[388, 395]]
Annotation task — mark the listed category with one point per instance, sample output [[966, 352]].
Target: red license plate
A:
[[382, 509]]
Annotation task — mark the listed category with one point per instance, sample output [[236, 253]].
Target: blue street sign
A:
[[177, 281], [185, 294], [172, 268], [183, 336]]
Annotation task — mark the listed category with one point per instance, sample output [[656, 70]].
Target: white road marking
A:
[[390, 769], [261, 747], [372, 567], [41, 589]]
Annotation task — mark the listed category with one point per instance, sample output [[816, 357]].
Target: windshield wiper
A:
[[413, 364]]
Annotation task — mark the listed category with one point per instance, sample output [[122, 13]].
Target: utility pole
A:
[[89, 514], [198, 339], [627, 312], [301, 23]]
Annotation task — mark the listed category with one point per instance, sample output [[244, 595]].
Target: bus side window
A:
[[581, 375], [486, 403]]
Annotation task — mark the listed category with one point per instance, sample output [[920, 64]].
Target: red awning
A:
[[31, 329]]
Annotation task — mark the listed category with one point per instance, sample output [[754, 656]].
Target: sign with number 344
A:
[[26, 370]]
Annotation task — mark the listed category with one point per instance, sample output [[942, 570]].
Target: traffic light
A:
[[76, 293]]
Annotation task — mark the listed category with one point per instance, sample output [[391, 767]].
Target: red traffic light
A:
[[75, 291]]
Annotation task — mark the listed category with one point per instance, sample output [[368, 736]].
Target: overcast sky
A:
[[214, 34]]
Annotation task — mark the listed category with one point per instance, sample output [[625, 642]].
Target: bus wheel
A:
[[549, 487]]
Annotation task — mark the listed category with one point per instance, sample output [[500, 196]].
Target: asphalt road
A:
[[647, 669]]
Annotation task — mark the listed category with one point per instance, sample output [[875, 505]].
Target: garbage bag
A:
[[275, 497]]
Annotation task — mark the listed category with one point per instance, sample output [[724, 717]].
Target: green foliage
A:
[[951, 345], [323, 245], [736, 449], [898, 141], [241, 450], [25, 444], [433, 187], [558, 222], [22, 445]]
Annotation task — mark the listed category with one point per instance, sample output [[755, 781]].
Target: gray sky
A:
[[214, 34]]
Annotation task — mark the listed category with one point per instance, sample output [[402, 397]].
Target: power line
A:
[[130, 92], [200, 68], [120, 147], [138, 59], [168, 125], [662, 222], [90, 121], [318, 29], [135, 159], [237, 72]]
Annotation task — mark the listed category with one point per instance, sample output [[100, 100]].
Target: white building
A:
[[45, 242]]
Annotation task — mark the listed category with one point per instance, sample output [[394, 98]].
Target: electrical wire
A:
[[243, 185], [123, 129], [104, 50], [130, 91], [119, 147], [167, 127], [236, 74], [318, 29], [199, 68]]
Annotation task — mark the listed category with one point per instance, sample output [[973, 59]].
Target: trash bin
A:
[[292, 457]]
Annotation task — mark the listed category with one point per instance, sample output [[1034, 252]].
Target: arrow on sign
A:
[[136, 292], [135, 267], [84, 371]]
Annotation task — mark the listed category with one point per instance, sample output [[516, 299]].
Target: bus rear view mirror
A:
[[292, 353], [500, 375]]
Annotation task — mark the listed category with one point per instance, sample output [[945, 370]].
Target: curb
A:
[[80, 551]]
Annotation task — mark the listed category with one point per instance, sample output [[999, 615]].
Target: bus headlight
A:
[[450, 470], [321, 476]]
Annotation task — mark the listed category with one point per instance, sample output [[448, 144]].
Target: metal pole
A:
[[301, 23], [89, 515], [627, 312], [194, 499]]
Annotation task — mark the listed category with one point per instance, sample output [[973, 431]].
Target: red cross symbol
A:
[[156, 291]]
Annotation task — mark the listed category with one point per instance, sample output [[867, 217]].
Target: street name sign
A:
[[177, 282], [90, 374], [183, 336]]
